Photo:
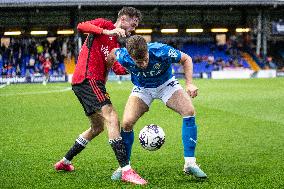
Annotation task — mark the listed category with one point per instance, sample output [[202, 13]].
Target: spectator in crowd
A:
[[24, 57], [270, 64], [31, 64], [219, 64], [211, 59], [46, 69]]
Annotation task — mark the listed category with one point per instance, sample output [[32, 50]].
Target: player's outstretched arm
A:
[[116, 31], [117, 68], [111, 58], [186, 61], [88, 27]]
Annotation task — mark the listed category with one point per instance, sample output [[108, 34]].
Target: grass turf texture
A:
[[240, 138]]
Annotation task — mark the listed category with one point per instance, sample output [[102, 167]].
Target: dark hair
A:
[[136, 46], [131, 12]]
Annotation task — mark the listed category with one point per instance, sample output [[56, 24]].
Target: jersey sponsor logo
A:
[[105, 51], [172, 53], [148, 74]]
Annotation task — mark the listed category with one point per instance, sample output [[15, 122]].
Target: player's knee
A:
[[96, 130], [188, 112], [109, 113], [108, 118], [127, 125], [100, 129]]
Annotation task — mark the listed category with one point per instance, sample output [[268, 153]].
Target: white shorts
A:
[[163, 92]]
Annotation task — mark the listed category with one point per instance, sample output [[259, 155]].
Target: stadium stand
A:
[[69, 65], [23, 57], [51, 15], [251, 61], [208, 57], [137, 2]]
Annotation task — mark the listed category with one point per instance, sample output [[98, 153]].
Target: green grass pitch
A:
[[240, 138]]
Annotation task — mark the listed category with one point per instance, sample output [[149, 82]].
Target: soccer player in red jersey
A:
[[46, 68], [88, 84]]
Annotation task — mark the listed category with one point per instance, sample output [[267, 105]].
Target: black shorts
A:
[[92, 95]]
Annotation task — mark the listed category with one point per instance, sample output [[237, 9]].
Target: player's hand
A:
[[192, 90], [117, 31]]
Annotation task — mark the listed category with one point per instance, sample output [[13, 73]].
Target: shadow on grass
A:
[[184, 178]]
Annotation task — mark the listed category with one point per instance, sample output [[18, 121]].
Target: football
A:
[[152, 137]]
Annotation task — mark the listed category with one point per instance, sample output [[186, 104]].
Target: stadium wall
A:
[[243, 74], [24, 3]]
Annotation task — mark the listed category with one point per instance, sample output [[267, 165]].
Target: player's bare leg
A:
[[117, 144], [134, 109], [181, 103], [111, 119], [96, 127], [109, 116], [44, 82]]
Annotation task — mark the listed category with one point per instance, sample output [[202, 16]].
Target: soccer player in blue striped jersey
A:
[[151, 73]]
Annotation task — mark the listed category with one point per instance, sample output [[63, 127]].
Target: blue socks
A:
[[128, 139], [189, 136]]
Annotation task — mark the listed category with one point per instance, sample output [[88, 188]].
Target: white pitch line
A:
[[38, 92]]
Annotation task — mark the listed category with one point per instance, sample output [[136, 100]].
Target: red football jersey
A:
[[99, 51], [46, 66]]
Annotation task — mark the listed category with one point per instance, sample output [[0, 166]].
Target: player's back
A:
[[158, 71]]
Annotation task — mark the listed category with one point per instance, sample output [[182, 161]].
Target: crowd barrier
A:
[[33, 79], [224, 74]]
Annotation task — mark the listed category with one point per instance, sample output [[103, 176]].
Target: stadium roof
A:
[[38, 3]]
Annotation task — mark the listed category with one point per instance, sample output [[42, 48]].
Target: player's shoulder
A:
[[104, 21], [156, 45], [121, 51], [123, 57], [101, 20], [159, 49], [121, 54]]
